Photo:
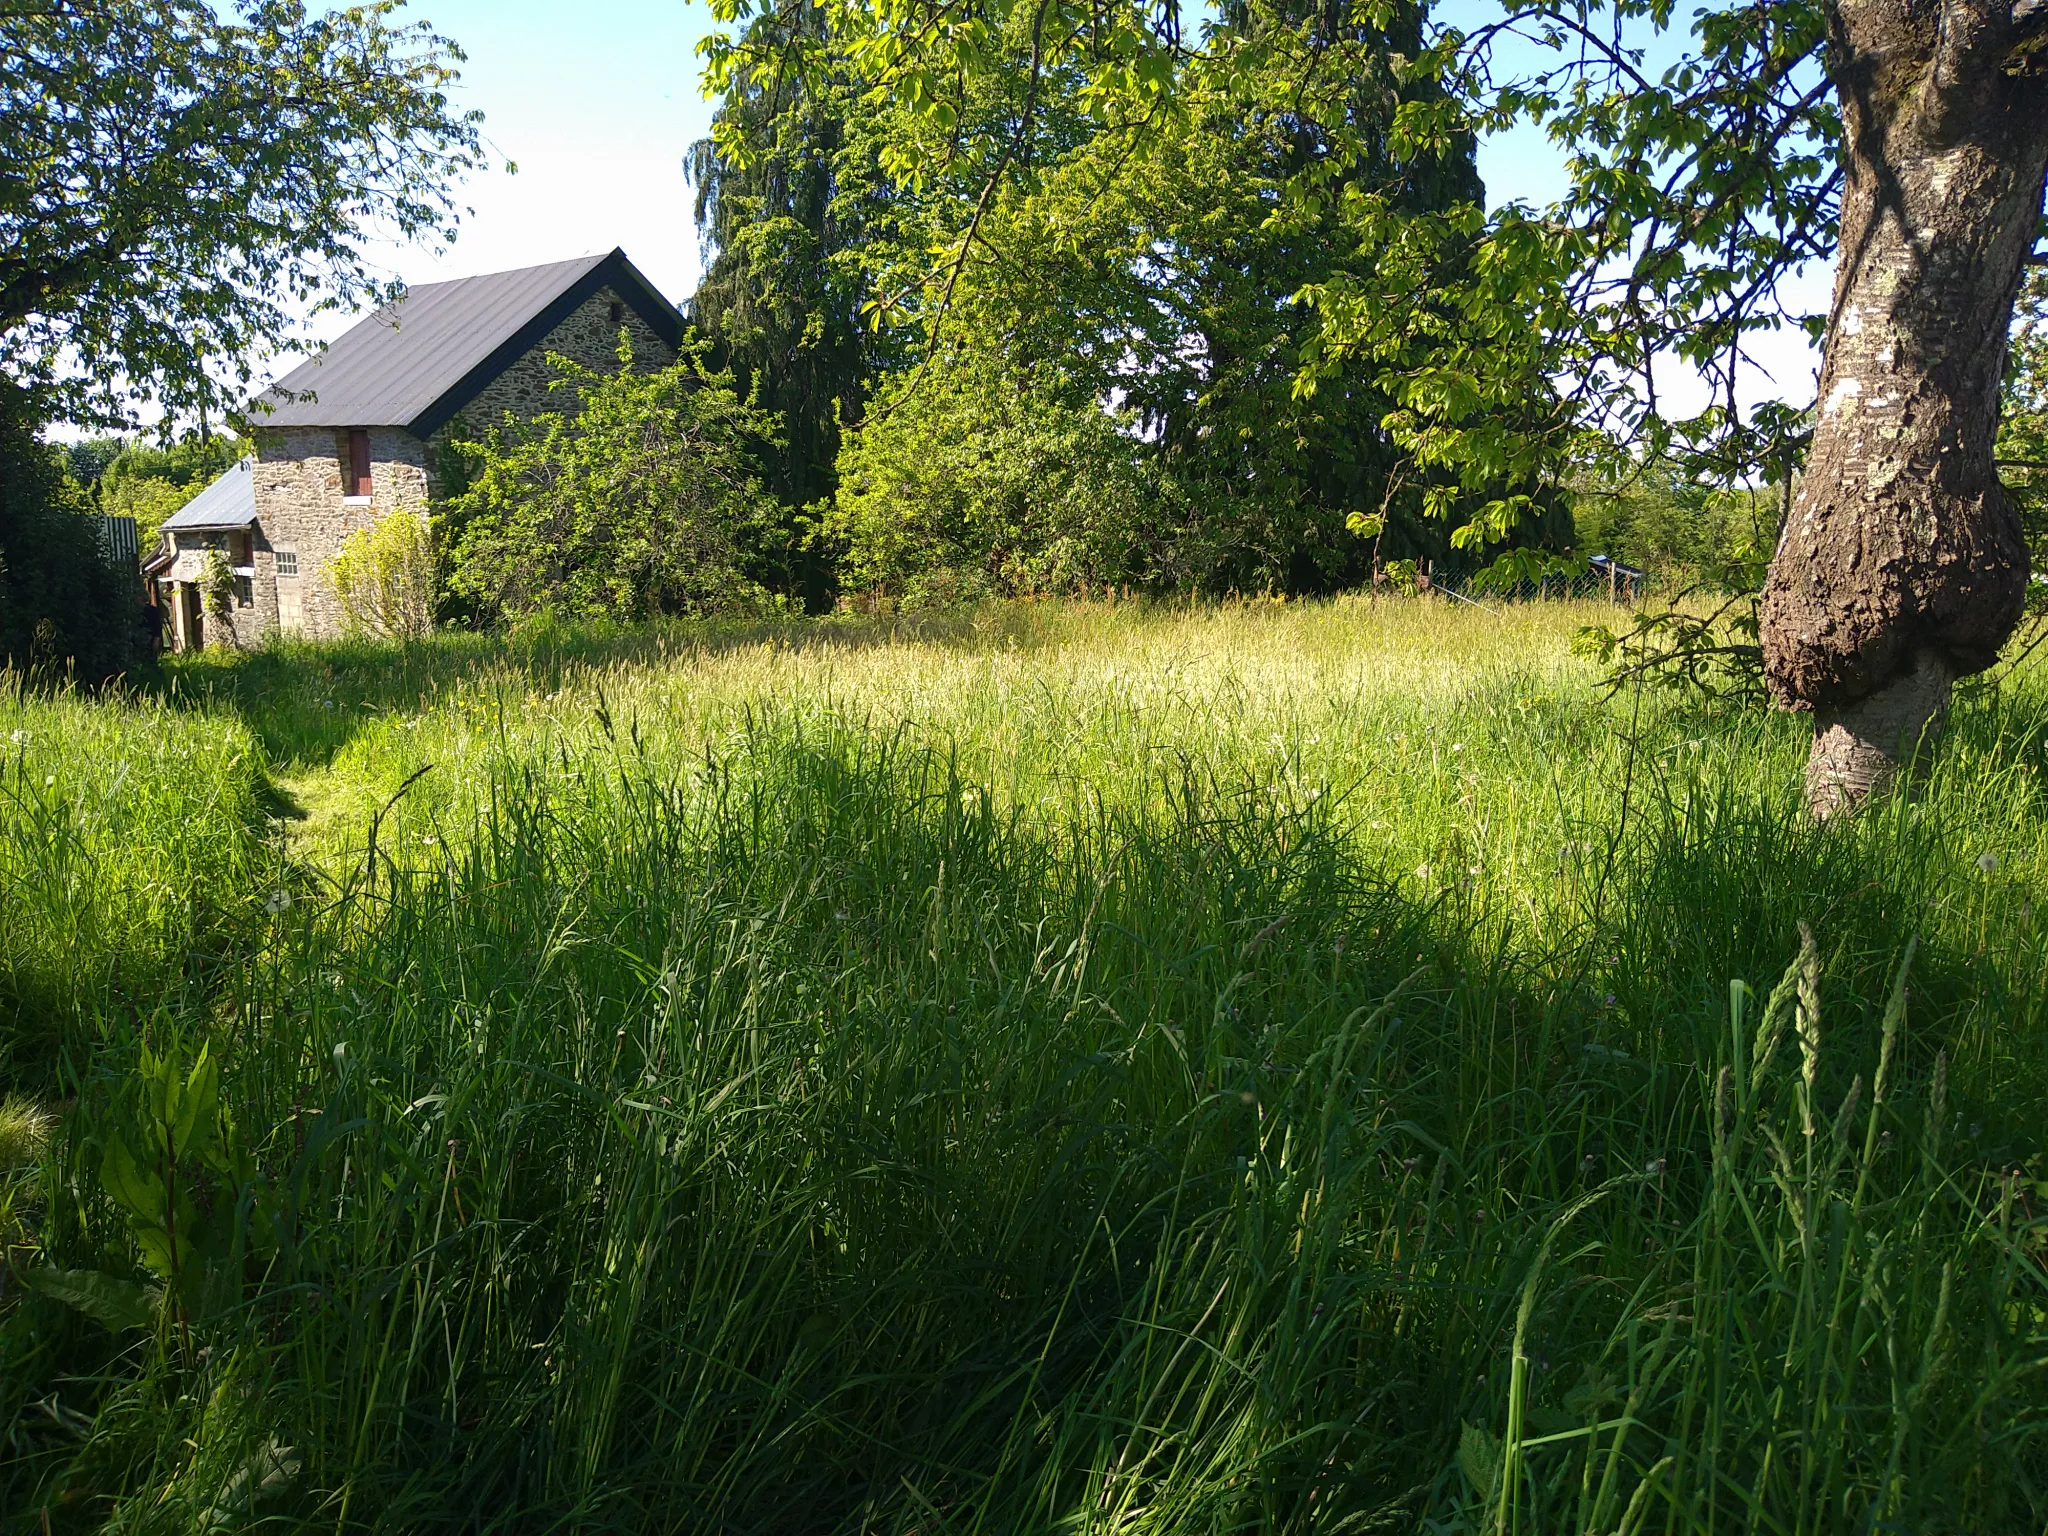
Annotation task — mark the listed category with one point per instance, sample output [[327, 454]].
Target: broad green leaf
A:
[[131, 1183], [104, 1298], [198, 1106]]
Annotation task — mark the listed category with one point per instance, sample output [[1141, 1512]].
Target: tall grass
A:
[[1246, 1070], [128, 830]]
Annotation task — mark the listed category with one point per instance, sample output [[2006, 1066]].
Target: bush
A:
[[642, 502], [976, 481], [384, 578]]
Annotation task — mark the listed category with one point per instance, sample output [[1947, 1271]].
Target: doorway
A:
[[192, 612]]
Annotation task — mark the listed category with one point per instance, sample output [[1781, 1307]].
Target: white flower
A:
[[1988, 862], [277, 901], [19, 738]]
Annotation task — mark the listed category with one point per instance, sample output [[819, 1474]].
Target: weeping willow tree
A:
[[782, 223]]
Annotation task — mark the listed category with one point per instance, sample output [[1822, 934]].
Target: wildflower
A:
[[49, 779], [1654, 1167], [1988, 862], [1457, 746], [19, 738], [277, 901]]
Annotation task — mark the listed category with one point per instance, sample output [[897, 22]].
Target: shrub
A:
[[978, 480], [384, 578], [640, 502]]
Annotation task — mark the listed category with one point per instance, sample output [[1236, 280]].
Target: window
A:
[[618, 312], [355, 463], [288, 563], [245, 592]]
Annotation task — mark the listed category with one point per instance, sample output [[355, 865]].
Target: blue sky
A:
[[597, 103]]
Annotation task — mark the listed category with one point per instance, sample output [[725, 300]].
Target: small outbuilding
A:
[[209, 544], [362, 431]]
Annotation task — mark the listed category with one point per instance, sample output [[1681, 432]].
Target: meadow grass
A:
[[1269, 1068]]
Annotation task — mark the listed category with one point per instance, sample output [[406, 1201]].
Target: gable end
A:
[[614, 272]]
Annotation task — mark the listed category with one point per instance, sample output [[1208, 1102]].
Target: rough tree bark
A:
[[1901, 567]]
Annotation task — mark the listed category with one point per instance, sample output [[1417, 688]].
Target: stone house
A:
[[361, 432]]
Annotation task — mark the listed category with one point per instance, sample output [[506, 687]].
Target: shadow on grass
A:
[[833, 1151]]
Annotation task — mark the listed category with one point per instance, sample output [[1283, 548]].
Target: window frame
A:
[[357, 471]]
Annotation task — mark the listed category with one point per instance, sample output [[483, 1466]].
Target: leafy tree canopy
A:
[[1507, 341], [1163, 263], [179, 187], [787, 227]]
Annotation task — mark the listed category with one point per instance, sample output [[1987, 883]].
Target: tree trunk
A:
[[1901, 566]]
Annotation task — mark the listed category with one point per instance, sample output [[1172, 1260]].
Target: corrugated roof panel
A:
[[388, 369], [230, 502]]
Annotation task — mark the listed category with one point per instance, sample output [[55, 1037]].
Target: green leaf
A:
[[1480, 1458], [131, 1184], [198, 1106], [106, 1299]]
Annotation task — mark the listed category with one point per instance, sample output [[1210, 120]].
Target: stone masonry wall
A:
[[299, 507], [588, 337], [299, 504], [252, 614]]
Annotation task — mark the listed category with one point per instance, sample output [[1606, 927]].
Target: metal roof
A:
[[417, 362], [230, 502]]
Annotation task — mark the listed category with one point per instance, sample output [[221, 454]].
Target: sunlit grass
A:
[[1259, 1068]]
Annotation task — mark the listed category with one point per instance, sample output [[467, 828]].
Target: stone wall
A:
[[300, 508], [252, 612], [590, 337]]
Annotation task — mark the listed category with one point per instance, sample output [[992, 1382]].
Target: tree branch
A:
[[1974, 34]]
